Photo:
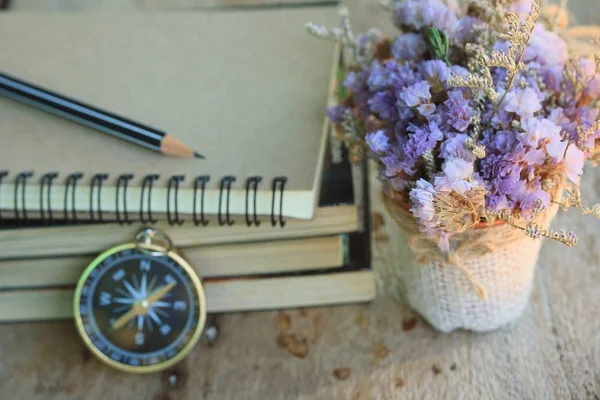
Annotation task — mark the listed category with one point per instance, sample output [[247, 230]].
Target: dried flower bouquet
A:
[[477, 115]]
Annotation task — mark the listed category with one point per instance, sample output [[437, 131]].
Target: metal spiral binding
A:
[[96, 182], [123, 216], [225, 185], [22, 182], [71, 184], [147, 183], [278, 182], [46, 183], [201, 182], [173, 184], [123, 181], [252, 184], [3, 175]]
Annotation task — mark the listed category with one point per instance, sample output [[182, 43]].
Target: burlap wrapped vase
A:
[[481, 284]]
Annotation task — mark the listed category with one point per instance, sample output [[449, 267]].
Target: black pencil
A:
[[93, 117]]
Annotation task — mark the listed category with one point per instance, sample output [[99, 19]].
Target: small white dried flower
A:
[[387, 5], [352, 127], [583, 134], [477, 149], [533, 231], [362, 55]]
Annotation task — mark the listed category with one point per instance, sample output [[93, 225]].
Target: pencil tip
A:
[[198, 155]]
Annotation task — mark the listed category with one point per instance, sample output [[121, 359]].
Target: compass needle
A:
[[144, 288], [125, 318], [160, 293]]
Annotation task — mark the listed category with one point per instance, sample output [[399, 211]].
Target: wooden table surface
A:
[[380, 350]]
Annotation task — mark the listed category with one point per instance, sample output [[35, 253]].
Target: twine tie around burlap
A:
[[465, 246]]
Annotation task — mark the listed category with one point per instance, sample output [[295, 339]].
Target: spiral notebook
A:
[[37, 276], [246, 89]]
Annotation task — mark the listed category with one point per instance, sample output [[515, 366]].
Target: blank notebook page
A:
[[248, 90]]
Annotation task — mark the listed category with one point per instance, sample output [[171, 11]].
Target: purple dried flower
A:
[[547, 48], [416, 94], [379, 77], [435, 70], [523, 102], [457, 176], [459, 111], [421, 140], [390, 74], [398, 183], [574, 160], [384, 105], [393, 164], [528, 202], [556, 148], [593, 88], [438, 15], [500, 142], [534, 157], [521, 8], [416, 14], [378, 141], [560, 118], [539, 129], [337, 114], [454, 147], [587, 115], [552, 77], [356, 81], [426, 109], [409, 46], [407, 13], [421, 197], [465, 31]]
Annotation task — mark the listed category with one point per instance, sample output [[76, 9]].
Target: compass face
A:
[[139, 312]]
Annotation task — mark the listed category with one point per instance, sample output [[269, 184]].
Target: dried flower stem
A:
[[518, 35], [480, 78], [532, 229], [572, 198], [429, 163]]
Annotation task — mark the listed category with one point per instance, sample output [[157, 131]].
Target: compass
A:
[[140, 307]]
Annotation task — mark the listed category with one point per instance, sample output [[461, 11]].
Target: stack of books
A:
[[269, 219]]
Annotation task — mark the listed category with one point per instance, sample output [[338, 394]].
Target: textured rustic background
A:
[[375, 351]]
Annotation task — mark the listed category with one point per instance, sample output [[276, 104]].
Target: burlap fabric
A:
[[483, 283]]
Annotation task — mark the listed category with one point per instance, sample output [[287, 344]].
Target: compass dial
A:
[[137, 311]]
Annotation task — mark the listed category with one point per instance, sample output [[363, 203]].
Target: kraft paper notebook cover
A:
[[246, 89]]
